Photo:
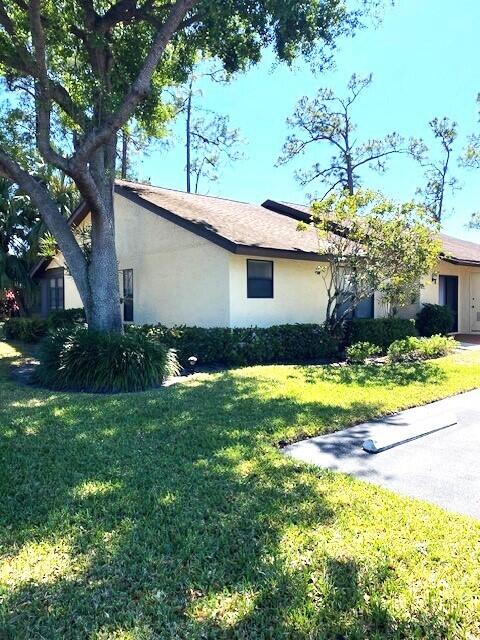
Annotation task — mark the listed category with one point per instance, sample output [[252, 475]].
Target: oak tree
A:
[[80, 70]]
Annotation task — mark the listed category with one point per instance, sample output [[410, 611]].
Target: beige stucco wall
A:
[[429, 293], [178, 277], [299, 294]]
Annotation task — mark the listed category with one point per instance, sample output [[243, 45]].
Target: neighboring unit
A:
[[198, 260]]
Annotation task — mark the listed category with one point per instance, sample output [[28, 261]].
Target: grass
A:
[[172, 514]]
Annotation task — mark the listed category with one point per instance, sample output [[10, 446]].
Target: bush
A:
[[359, 352], [253, 345], [420, 348], [95, 361], [437, 346], [434, 319], [25, 329], [66, 318], [379, 331]]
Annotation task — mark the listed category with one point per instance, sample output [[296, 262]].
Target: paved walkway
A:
[[468, 341], [443, 467]]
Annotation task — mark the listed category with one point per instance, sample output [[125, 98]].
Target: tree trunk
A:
[[103, 310], [103, 313]]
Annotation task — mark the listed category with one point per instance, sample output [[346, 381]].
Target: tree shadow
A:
[[155, 513]]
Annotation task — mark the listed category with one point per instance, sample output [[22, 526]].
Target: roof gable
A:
[[238, 227]]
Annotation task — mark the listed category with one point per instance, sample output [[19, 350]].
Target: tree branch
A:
[[377, 157], [43, 102], [52, 217], [25, 64], [140, 87]]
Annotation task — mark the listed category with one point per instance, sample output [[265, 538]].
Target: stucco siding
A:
[[299, 294], [178, 277]]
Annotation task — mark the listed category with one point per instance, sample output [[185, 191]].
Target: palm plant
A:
[[21, 231]]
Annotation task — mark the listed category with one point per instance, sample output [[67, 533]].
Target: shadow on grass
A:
[[376, 374], [169, 515]]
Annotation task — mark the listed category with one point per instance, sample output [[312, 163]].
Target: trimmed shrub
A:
[[379, 331], [25, 329], [434, 319], [66, 318], [360, 352], [249, 346], [100, 362], [414, 348]]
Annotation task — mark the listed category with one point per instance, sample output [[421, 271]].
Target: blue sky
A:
[[424, 57]]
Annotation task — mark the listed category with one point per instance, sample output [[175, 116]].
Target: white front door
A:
[[475, 302]]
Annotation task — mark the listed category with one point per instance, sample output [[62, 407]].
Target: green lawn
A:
[[172, 514]]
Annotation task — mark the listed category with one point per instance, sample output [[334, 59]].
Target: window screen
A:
[[259, 279]]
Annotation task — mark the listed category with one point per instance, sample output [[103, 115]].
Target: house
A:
[[206, 261]]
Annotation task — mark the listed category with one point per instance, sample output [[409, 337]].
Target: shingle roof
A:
[[454, 249], [237, 226], [248, 229], [460, 251]]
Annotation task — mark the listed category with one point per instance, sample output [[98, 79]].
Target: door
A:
[[475, 302], [448, 296]]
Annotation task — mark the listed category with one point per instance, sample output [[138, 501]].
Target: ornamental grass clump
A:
[[101, 362]]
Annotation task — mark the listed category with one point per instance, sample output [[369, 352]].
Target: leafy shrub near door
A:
[[414, 348], [97, 361], [379, 331], [249, 346], [434, 319]]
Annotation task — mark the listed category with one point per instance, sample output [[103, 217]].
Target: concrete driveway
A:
[[443, 467]]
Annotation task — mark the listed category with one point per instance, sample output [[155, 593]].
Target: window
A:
[[55, 293], [364, 309], [259, 279], [128, 295]]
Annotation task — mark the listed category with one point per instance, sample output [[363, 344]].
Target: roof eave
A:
[[460, 261]]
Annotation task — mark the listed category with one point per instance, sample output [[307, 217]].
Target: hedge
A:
[[34, 329], [379, 331], [25, 329], [253, 345], [66, 318]]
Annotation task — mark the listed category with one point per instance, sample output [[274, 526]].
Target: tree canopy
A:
[[375, 245]]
